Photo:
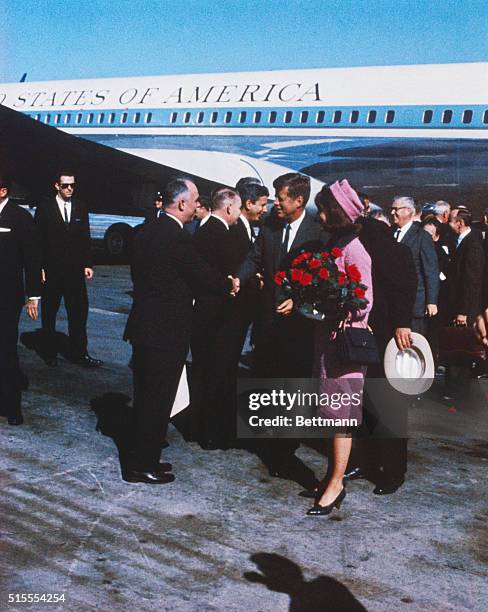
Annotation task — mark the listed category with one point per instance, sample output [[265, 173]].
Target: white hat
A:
[[412, 370]]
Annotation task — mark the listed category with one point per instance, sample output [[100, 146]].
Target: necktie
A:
[[396, 235], [66, 218], [284, 244]]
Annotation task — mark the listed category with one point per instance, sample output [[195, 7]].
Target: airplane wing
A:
[[109, 180]]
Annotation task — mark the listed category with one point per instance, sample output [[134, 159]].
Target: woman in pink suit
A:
[[339, 207]]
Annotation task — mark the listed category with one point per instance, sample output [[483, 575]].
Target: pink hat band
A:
[[347, 198]]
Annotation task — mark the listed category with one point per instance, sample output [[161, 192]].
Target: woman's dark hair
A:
[[337, 221], [430, 219]]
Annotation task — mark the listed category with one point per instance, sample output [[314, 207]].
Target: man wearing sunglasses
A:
[[65, 238]]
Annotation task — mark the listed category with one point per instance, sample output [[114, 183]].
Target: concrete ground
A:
[[224, 535]]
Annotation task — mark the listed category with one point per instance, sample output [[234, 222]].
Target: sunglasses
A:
[[67, 185]]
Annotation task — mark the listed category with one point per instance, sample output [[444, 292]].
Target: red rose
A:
[[297, 261], [306, 279], [324, 273], [336, 253], [341, 278], [325, 254], [279, 277], [358, 292], [314, 263], [353, 273], [306, 255], [296, 275]]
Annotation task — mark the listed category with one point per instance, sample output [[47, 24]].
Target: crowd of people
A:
[[200, 288]]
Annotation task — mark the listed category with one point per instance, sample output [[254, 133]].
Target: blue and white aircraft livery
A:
[[417, 130]]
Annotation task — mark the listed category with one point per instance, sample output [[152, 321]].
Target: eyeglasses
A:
[[67, 185]]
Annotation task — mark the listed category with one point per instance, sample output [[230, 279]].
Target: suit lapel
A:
[[302, 234], [409, 236]]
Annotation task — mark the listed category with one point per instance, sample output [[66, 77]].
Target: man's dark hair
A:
[[466, 216], [174, 189], [5, 180], [221, 195], [252, 192], [245, 181], [298, 185], [64, 172], [431, 219]]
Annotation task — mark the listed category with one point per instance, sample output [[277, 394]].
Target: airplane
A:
[[417, 130]]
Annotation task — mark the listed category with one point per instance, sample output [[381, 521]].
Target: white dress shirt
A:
[[403, 230], [174, 219], [294, 225], [204, 220], [61, 205]]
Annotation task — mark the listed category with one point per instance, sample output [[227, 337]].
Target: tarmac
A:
[[225, 535]]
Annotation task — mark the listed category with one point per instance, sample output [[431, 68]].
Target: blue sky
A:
[[62, 39]]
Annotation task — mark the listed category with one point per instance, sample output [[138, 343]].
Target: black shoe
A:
[[148, 477], [319, 510], [354, 474], [15, 420], [388, 487], [163, 468], [88, 362], [52, 362]]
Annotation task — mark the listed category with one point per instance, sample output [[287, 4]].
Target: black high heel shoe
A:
[[319, 510]]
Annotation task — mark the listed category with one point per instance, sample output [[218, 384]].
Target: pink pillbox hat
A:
[[347, 198]]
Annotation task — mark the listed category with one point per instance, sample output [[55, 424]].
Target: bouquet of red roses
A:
[[319, 289]]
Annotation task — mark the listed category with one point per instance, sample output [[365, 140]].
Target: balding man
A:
[[410, 233], [216, 329], [167, 273]]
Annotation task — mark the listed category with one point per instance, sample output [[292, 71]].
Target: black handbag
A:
[[356, 345]]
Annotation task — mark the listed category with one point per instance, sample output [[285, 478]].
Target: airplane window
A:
[[228, 117], [67, 118], [485, 116], [371, 116], [89, 119], [337, 116], [173, 117], [242, 116], [467, 116], [390, 116], [57, 118], [200, 117], [447, 116], [101, 117], [272, 117], [428, 116], [47, 118], [288, 116], [257, 117], [354, 116], [304, 117], [186, 118], [111, 117], [137, 117], [148, 118], [320, 117], [123, 118], [79, 117], [37, 117], [214, 117]]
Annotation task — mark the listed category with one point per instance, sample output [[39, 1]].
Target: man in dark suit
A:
[[411, 234], [19, 257], [167, 273], [285, 348], [157, 208], [216, 330], [466, 272], [64, 230]]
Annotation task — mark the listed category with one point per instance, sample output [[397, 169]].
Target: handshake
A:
[[236, 284]]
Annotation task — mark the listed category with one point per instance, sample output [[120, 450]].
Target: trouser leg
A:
[[10, 394], [76, 301], [51, 299]]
